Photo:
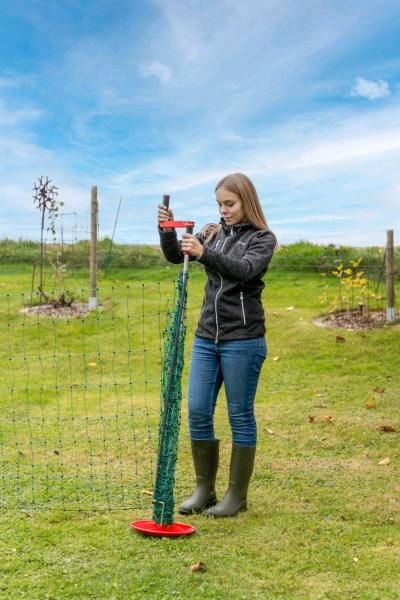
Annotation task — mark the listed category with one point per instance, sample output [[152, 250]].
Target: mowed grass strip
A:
[[324, 503]]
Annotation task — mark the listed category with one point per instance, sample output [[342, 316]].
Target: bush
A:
[[301, 256], [305, 256]]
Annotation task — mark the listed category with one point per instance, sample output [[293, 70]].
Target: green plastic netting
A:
[[171, 396]]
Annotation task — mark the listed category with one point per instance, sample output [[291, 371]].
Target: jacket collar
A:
[[236, 228]]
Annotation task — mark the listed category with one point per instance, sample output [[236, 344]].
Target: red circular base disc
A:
[[173, 530]]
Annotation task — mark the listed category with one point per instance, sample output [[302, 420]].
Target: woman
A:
[[229, 346]]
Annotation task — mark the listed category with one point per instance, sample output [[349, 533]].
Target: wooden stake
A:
[[390, 311], [93, 302]]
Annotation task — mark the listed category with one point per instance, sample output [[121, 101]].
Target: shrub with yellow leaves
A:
[[353, 291]]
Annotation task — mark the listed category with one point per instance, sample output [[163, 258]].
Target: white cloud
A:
[[303, 152], [22, 163], [156, 69], [370, 89], [348, 149], [12, 117], [8, 82], [14, 81], [389, 198], [328, 218], [184, 28]]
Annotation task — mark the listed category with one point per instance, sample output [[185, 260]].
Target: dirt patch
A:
[[75, 311], [352, 320]]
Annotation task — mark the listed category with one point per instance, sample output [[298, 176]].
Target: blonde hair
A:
[[242, 186]]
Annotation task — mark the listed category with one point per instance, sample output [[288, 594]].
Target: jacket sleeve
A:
[[171, 247], [254, 262]]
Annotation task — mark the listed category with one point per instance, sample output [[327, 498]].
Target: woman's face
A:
[[230, 206]]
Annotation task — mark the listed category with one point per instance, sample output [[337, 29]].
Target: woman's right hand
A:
[[164, 214]]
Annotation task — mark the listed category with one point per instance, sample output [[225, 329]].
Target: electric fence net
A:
[[79, 398], [171, 395]]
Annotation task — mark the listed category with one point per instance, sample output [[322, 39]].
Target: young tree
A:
[[46, 200]]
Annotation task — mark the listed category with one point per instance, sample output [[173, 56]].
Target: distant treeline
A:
[[300, 256]]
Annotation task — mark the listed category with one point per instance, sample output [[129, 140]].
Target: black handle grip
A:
[[165, 200]]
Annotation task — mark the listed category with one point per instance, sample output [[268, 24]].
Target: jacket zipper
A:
[[222, 247], [219, 290], [216, 313], [243, 313]]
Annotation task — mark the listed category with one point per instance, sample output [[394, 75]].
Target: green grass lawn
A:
[[324, 516]]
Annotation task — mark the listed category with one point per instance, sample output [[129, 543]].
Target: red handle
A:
[[176, 224], [188, 225]]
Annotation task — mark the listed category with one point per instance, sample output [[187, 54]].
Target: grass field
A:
[[324, 516]]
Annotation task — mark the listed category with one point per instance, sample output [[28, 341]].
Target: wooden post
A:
[[390, 310], [93, 303]]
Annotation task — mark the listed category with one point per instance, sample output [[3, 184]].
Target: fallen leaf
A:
[[269, 431], [328, 418], [379, 390], [199, 567], [340, 339], [311, 419], [370, 405], [92, 364], [387, 428], [290, 308], [276, 358], [384, 462]]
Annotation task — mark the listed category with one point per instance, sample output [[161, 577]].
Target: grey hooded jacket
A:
[[235, 261]]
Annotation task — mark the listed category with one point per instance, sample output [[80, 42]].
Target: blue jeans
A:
[[237, 364]]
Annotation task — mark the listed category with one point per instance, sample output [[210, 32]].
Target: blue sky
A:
[[167, 96]]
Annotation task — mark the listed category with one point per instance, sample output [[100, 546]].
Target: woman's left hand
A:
[[191, 245]]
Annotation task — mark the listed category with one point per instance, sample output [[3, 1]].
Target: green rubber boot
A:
[[205, 459], [241, 469]]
